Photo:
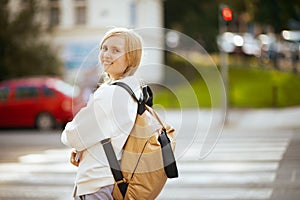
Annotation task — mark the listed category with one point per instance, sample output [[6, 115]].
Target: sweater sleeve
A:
[[110, 112]]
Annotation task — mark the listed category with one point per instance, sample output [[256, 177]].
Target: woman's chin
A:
[[106, 68]]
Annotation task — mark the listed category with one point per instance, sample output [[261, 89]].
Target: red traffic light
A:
[[226, 14]]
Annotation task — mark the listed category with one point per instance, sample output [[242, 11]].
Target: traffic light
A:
[[226, 14]]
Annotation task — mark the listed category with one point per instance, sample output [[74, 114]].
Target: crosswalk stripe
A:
[[225, 178], [195, 167], [62, 167], [215, 193], [266, 156], [37, 178], [36, 192]]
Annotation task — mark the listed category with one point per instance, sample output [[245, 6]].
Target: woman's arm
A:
[[110, 112]]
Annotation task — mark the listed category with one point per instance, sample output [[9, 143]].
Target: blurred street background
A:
[[225, 74]]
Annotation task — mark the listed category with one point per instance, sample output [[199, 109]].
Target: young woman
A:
[[110, 113]]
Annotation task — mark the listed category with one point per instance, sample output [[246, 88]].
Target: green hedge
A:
[[248, 88]]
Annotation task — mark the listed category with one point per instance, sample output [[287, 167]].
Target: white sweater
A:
[[110, 113]]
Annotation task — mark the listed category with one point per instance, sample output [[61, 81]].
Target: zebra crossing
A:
[[241, 166], [43, 176]]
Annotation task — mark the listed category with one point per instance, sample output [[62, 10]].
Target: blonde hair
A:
[[133, 47]]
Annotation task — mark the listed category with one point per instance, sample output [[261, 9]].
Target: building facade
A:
[[78, 26]]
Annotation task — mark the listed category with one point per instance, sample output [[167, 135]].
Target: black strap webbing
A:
[[147, 96], [127, 88], [168, 156], [114, 165]]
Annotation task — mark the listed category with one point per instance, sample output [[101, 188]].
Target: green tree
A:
[[277, 13], [197, 19], [23, 49]]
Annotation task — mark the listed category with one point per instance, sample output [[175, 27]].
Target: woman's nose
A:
[[106, 54]]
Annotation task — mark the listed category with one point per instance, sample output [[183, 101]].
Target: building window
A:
[[80, 12], [132, 12], [54, 16], [80, 15], [54, 12]]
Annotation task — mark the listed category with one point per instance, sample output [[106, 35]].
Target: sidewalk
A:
[[287, 183], [281, 118]]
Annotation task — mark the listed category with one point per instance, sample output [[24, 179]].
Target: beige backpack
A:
[[148, 158]]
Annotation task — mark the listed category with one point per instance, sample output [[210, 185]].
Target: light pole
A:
[[225, 16]]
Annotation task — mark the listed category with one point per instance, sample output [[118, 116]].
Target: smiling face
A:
[[112, 56]]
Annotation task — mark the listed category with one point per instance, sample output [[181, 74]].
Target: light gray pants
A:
[[104, 193]]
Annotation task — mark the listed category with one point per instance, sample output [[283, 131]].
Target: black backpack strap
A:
[[114, 165], [147, 96], [127, 88], [168, 156]]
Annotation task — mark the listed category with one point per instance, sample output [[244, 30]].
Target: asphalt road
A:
[[247, 162]]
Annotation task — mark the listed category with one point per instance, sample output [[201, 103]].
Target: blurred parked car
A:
[[243, 43], [41, 102]]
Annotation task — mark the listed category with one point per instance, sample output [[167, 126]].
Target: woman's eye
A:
[[104, 49]]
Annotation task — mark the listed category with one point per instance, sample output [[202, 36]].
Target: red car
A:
[[41, 102]]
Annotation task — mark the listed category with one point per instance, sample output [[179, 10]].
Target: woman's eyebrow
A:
[[116, 46], [112, 46]]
